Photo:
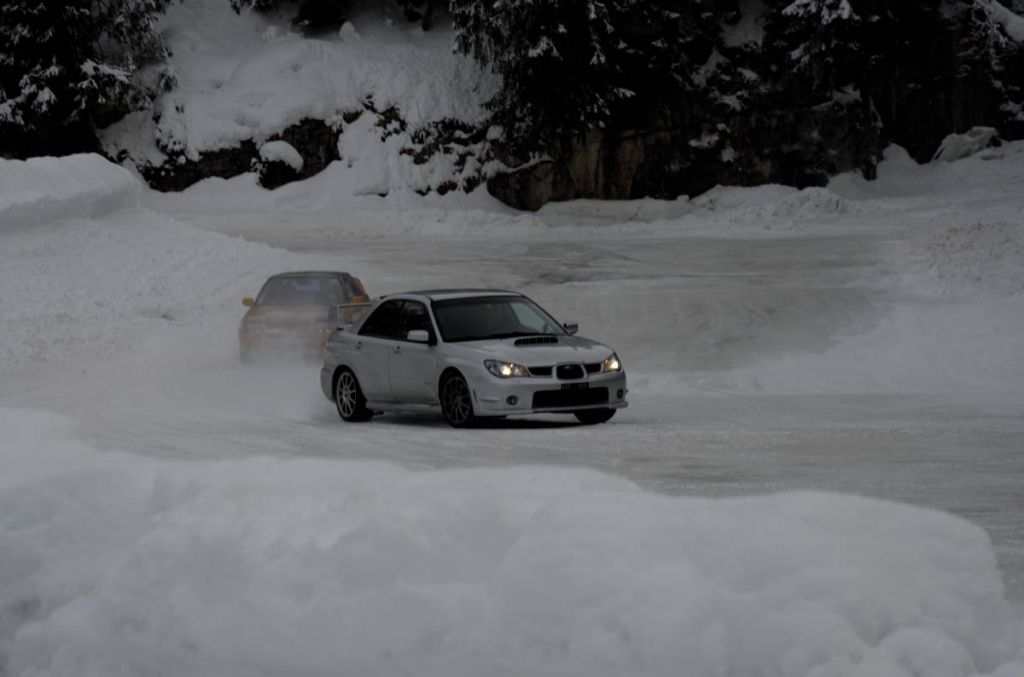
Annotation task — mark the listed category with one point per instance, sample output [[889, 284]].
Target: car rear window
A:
[[302, 291]]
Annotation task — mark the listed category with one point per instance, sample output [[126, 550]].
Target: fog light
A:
[[619, 393], [511, 400]]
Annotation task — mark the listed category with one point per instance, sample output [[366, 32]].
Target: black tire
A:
[[349, 398], [457, 401], [594, 416]]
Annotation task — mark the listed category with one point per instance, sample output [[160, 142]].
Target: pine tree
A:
[[67, 68], [990, 68], [568, 65], [821, 76], [556, 59]]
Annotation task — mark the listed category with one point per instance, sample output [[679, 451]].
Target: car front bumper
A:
[[283, 343], [494, 396]]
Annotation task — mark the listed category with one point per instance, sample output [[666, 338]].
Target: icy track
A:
[[164, 511]]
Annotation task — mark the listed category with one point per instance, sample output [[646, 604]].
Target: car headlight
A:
[[611, 363], [506, 369]]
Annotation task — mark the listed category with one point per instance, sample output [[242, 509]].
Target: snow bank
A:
[[769, 206], [119, 565], [954, 329], [46, 188], [83, 285], [964, 348]]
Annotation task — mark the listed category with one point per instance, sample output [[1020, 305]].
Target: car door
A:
[[413, 366], [374, 345]]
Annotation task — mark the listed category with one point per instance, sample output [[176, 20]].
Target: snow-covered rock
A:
[[281, 151], [957, 146]]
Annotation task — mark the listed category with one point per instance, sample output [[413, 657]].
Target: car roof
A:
[[445, 294], [310, 273]]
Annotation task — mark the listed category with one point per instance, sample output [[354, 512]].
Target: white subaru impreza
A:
[[470, 354]]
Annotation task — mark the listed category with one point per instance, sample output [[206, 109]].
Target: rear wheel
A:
[[457, 401], [349, 399], [593, 416]]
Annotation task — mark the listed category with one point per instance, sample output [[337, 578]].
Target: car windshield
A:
[[488, 317], [302, 291]]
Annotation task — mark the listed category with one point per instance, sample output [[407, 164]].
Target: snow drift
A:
[[77, 284], [117, 565], [46, 188]]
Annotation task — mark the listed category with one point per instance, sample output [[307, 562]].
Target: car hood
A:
[[286, 316], [568, 349]]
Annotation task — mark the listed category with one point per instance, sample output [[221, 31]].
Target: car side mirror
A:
[[571, 327], [248, 302], [418, 336]]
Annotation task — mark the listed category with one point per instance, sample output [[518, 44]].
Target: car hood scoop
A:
[[536, 341]]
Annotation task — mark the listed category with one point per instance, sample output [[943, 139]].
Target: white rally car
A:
[[469, 354]]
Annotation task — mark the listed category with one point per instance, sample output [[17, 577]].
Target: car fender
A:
[[471, 369]]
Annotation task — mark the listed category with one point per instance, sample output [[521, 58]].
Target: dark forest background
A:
[[621, 98]]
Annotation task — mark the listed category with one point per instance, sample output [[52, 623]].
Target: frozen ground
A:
[[163, 509]]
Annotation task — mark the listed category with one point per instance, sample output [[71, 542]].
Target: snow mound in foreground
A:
[[46, 188], [114, 564]]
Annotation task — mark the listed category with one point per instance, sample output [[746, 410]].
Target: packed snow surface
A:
[[164, 510]]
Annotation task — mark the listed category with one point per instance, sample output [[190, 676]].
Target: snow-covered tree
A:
[[567, 65], [67, 67], [556, 59], [991, 58], [821, 75]]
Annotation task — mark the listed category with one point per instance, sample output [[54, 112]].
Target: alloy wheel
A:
[[347, 399], [456, 401]]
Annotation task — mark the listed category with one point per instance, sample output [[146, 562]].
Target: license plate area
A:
[[575, 386]]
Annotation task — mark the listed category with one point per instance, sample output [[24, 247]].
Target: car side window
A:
[[415, 317], [385, 321]]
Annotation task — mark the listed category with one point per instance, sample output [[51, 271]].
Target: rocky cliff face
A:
[[808, 99], [750, 147]]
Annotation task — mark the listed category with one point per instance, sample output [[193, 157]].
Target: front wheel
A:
[[349, 399], [457, 401], [594, 416]]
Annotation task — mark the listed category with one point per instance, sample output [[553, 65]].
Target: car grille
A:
[[568, 372], [592, 367], [540, 371], [577, 397]]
